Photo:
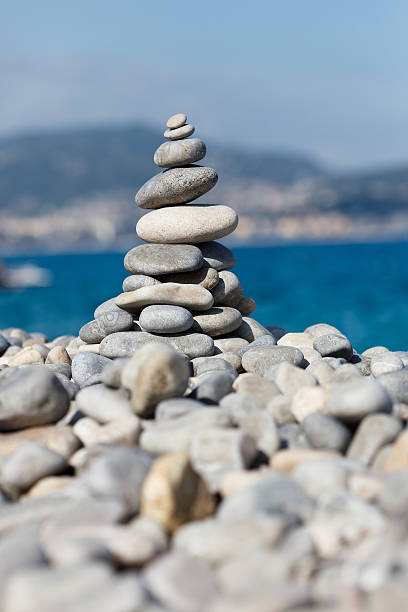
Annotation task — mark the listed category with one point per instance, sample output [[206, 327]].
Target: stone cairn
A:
[[180, 456]]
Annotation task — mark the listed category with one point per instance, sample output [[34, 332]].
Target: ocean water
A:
[[362, 289]]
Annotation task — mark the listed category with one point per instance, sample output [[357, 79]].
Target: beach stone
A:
[[181, 582], [154, 373], [259, 360], [179, 153], [31, 396], [135, 281], [125, 344], [344, 373], [229, 345], [201, 365], [187, 224], [321, 329], [246, 305], [123, 431], [396, 383], [58, 354], [232, 358], [176, 121], [164, 319], [193, 297], [398, 456], [403, 355], [298, 340], [290, 378], [30, 462], [217, 255], [217, 321], [292, 436], [228, 290], [386, 362], [257, 388], [352, 401], [59, 438], [322, 371], [374, 351], [103, 404], [333, 345], [310, 355], [238, 406], [326, 432], [319, 475], [176, 186], [374, 432], [27, 356], [48, 485], [90, 348], [215, 451], [211, 387], [288, 459], [173, 408], [261, 342], [112, 373], [206, 277], [4, 345], [181, 132], [251, 330], [156, 259], [308, 400], [105, 307], [280, 408], [85, 366], [174, 494], [261, 426], [115, 321]]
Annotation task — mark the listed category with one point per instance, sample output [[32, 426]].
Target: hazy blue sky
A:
[[327, 77]]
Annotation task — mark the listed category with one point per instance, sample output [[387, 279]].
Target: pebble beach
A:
[[178, 456]]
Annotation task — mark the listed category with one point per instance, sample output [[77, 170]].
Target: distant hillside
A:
[[75, 189]]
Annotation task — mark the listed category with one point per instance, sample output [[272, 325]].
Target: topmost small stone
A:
[[176, 121]]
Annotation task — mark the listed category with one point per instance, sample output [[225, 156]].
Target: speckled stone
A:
[[230, 344], [193, 297], [164, 319], [125, 344], [217, 321], [156, 259], [179, 153], [206, 277], [228, 290], [251, 330], [187, 224], [176, 186], [131, 283], [108, 323], [178, 133], [217, 255], [176, 121], [260, 359], [108, 306], [333, 345]]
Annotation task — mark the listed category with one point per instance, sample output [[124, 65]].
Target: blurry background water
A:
[[360, 288]]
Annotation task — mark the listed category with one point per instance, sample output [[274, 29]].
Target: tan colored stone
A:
[[174, 494], [58, 354], [26, 356], [234, 481], [256, 387], [60, 439], [298, 340], [121, 431], [286, 460], [193, 297], [89, 348], [398, 457], [176, 121], [308, 400], [206, 277], [366, 485], [49, 485]]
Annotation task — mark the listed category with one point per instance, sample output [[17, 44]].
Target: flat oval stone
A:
[[217, 255], [352, 401], [108, 306], [193, 297], [131, 283], [176, 121], [176, 186], [333, 345], [164, 319], [260, 359], [124, 344], [217, 321], [179, 153], [228, 289], [206, 277], [158, 259], [107, 323], [187, 224], [181, 132]]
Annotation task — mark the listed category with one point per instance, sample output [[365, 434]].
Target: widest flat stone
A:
[[193, 297], [187, 224], [217, 321], [176, 186], [124, 344], [179, 153], [156, 259]]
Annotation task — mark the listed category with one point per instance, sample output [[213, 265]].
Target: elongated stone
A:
[[156, 259], [176, 121], [228, 290], [114, 321], [193, 297], [179, 153], [217, 321], [187, 224], [124, 344], [206, 277], [165, 319], [177, 133], [176, 186]]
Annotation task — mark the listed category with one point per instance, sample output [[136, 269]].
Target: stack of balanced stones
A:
[[181, 290]]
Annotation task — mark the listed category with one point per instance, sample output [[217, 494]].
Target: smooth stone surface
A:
[[352, 401], [86, 366], [321, 329], [229, 345], [374, 432], [181, 132], [386, 362], [31, 396], [57, 438], [308, 400], [257, 388], [170, 409], [217, 321], [290, 378], [125, 431], [246, 306], [124, 344], [193, 297], [251, 330], [228, 290], [107, 306], [322, 371], [259, 360], [58, 354], [164, 319], [333, 345], [103, 404], [206, 277], [179, 153], [131, 283], [298, 340], [213, 386], [153, 374], [326, 432], [201, 365], [261, 342], [108, 323], [156, 259], [187, 224], [176, 186], [396, 383], [217, 255], [176, 121]]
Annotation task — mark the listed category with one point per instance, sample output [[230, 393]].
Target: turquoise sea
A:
[[362, 289]]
